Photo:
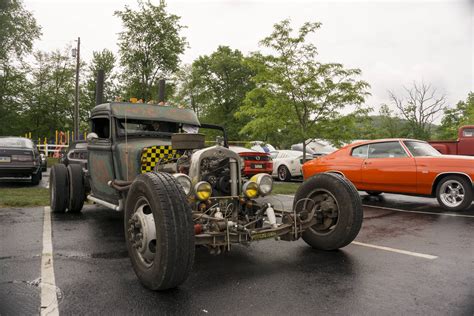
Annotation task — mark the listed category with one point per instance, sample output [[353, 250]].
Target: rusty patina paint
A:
[[148, 112], [101, 170], [134, 148]]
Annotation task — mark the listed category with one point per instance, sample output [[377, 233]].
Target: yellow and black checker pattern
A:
[[151, 156]]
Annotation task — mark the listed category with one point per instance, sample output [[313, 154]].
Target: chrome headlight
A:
[[264, 183], [184, 181], [250, 189], [203, 190]]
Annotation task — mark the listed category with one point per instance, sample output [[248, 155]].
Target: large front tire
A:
[[159, 231], [338, 210], [58, 188]]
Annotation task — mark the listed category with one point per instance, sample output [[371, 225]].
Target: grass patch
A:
[[285, 187], [52, 161], [21, 197]]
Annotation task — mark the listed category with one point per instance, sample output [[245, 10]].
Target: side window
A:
[[468, 132], [386, 150], [101, 126], [360, 152]]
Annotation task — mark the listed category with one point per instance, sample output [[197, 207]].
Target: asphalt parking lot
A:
[[409, 258]]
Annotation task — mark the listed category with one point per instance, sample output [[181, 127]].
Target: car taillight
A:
[[22, 157]]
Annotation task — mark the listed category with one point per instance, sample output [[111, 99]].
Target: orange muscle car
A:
[[402, 166]]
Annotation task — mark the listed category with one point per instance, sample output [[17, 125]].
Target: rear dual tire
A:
[[66, 187]]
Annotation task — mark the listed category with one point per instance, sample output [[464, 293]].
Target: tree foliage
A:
[[219, 83], [18, 30], [149, 47], [50, 100], [106, 61], [297, 95], [462, 114], [420, 107]]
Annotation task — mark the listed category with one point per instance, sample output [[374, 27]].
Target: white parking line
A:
[[419, 212], [405, 252], [49, 300], [399, 210]]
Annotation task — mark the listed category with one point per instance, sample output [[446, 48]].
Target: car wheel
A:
[[283, 173], [338, 208], [58, 188], [159, 231], [373, 193], [454, 193], [76, 188]]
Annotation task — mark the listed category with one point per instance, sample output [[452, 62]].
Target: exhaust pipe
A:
[[99, 87]]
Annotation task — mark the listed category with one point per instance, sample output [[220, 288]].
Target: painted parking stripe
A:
[[419, 212], [49, 300], [405, 252], [399, 210]]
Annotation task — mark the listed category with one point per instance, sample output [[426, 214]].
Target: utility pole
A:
[[77, 53]]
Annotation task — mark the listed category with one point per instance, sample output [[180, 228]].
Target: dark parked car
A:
[[19, 158], [76, 153]]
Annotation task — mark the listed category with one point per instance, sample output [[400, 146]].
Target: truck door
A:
[[100, 162], [466, 141], [389, 168]]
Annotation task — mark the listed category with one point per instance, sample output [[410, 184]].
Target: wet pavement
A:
[[94, 275]]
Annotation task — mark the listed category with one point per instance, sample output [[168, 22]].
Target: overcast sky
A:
[[393, 42]]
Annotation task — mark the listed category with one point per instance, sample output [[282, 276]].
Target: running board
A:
[[118, 207]]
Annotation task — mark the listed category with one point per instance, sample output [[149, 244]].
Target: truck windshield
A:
[[135, 127], [418, 149]]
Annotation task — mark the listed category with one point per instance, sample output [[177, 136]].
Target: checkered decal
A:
[[151, 155]]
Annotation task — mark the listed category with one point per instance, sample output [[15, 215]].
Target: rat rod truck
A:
[[150, 162], [464, 145]]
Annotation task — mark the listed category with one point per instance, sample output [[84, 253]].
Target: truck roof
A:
[[144, 111]]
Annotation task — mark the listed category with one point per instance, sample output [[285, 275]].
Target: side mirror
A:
[[92, 136]]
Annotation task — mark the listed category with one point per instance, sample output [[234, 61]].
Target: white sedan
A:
[[287, 164]]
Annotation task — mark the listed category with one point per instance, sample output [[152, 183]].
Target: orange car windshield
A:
[[418, 149]]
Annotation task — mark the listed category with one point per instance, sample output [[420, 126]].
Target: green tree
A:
[[219, 83], [462, 114], [420, 107], [49, 106], [18, 30], [187, 92], [390, 126], [106, 61], [149, 47], [295, 91]]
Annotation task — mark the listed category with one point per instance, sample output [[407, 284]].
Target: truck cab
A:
[[464, 145], [120, 132]]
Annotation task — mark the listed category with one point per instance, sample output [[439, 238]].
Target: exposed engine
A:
[[222, 204], [216, 171]]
